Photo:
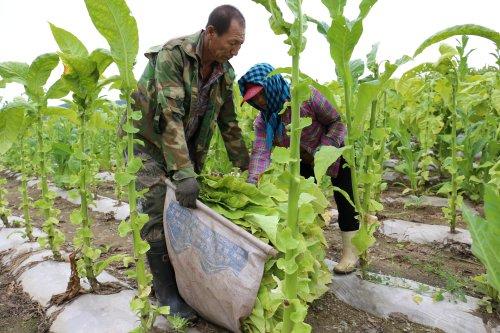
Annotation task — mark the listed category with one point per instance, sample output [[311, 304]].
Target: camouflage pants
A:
[[151, 176]]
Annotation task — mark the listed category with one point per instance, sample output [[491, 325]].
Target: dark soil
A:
[[418, 213], [18, 313], [329, 314]]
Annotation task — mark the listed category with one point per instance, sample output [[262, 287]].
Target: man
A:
[[185, 90]]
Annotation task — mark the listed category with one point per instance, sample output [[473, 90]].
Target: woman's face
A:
[[260, 100]]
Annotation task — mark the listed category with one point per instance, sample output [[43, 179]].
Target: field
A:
[[450, 267], [424, 149]]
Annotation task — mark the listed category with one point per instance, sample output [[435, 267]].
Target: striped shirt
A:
[[326, 129]]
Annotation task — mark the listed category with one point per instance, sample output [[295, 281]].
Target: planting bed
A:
[[443, 268]]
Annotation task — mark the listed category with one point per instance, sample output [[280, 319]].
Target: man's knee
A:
[[153, 233]]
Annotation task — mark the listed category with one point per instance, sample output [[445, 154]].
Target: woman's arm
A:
[[326, 114]]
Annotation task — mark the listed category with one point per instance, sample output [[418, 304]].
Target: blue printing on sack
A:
[[215, 251]]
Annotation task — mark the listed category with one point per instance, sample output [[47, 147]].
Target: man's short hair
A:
[[220, 18]]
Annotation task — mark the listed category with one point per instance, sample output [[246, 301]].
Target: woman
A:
[[268, 95]]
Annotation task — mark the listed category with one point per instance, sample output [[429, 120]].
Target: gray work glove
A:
[[187, 192]]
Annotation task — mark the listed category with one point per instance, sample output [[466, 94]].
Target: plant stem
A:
[[118, 152], [369, 158], [412, 173], [48, 225], [382, 145], [24, 193], [84, 209], [454, 184], [351, 151], [141, 274], [290, 283], [4, 211]]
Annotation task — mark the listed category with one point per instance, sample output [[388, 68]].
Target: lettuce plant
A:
[[113, 20], [418, 123], [11, 122], [4, 204], [358, 97], [294, 310], [485, 234], [477, 114], [263, 211], [16, 117], [34, 77], [83, 76], [454, 74]]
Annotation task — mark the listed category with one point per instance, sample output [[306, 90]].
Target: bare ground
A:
[[18, 313]]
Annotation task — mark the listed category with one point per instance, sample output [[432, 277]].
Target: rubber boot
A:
[[164, 283], [349, 259]]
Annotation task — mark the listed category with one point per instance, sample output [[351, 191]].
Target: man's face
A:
[[224, 47]]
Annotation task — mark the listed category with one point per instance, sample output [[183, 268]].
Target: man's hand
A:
[[243, 160], [187, 192], [244, 166]]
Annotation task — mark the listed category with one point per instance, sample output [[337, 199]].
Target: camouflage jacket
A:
[[168, 91]]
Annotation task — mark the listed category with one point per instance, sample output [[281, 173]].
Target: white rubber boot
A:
[[349, 259]]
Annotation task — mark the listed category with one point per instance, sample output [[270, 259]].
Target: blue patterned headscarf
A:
[[276, 92]]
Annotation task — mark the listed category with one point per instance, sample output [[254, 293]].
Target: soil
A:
[[18, 313], [449, 267], [416, 213], [105, 227], [329, 314]]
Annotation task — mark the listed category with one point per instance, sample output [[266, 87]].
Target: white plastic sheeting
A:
[[101, 204], [423, 233], [97, 313], [105, 176], [45, 278], [398, 295], [108, 205], [49, 278]]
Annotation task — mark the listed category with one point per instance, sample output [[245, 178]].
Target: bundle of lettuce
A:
[[262, 211]]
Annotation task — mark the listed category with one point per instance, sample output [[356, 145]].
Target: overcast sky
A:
[[399, 25]]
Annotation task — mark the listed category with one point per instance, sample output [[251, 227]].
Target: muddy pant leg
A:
[[151, 176], [347, 213]]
